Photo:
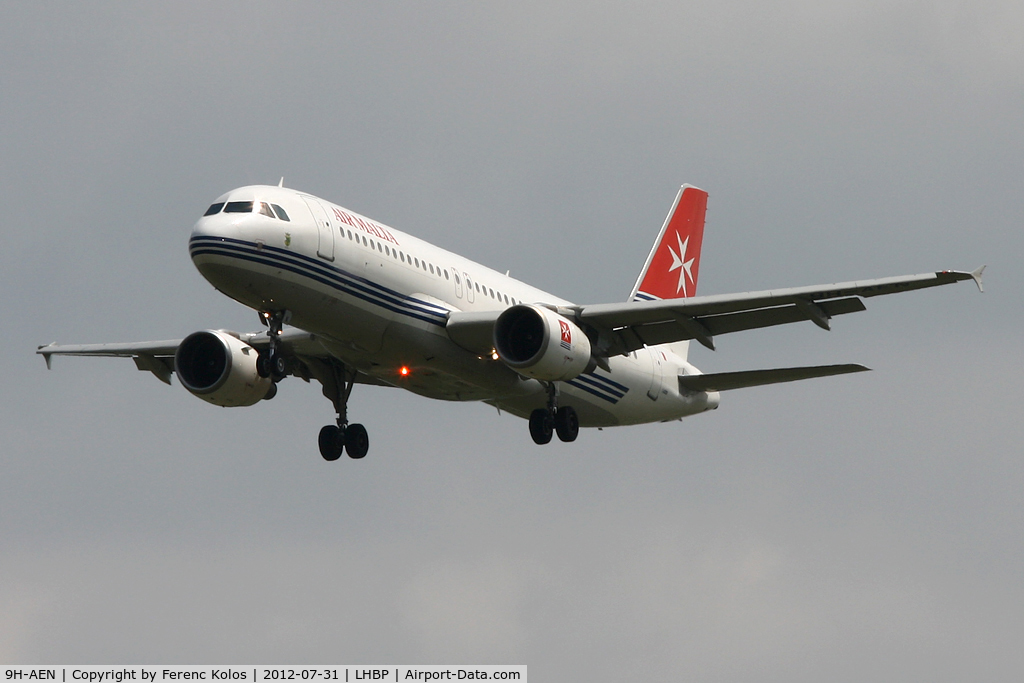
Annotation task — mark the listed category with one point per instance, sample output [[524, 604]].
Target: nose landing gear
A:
[[272, 363], [563, 421]]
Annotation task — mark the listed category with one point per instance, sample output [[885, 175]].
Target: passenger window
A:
[[364, 241], [417, 262], [379, 248], [477, 285], [372, 245], [431, 268], [265, 210], [280, 212], [214, 208], [445, 273], [506, 299], [387, 250], [238, 207]]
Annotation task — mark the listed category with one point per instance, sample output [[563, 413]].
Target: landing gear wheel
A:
[[273, 366], [541, 426], [567, 423], [271, 363], [277, 367], [263, 365], [357, 441], [338, 380], [332, 442]]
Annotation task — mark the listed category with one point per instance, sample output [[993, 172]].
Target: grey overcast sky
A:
[[854, 528]]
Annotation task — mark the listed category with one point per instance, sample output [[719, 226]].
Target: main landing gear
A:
[[350, 438], [562, 421]]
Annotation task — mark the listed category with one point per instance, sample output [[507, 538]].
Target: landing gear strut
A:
[[351, 438], [272, 363], [562, 421]]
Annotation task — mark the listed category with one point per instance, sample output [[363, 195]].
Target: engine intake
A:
[[539, 343], [220, 369]]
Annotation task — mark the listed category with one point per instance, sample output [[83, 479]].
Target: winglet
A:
[[280, 183], [976, 275], [46, 356]]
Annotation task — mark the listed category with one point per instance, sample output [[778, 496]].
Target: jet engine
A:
[[221, 369], [539, 343]]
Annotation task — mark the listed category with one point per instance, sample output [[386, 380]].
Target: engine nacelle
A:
[[220, 369], [539, 343]]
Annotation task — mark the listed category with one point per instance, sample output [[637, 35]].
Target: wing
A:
[[623, 327], [312, 359]]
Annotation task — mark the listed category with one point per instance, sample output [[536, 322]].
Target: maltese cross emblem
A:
[[679, 264]]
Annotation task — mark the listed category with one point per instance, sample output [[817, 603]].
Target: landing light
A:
[[403, 371], [494, 355]]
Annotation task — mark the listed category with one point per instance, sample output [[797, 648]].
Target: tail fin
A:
[[674, 262]]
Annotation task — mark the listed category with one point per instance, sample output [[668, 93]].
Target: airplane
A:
[[365, 303]]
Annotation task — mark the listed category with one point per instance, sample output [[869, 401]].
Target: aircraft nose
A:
[[206, 232], [211, 235]]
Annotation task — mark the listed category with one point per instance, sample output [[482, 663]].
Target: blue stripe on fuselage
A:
[[599, 386], [323, 273]]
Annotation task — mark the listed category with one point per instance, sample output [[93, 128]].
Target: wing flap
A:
[[629, 339], [725, 381], [781, 315]]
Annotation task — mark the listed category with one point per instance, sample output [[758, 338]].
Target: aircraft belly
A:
[[438, 368]]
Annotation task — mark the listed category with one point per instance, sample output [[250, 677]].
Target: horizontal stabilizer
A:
[[723, 381]]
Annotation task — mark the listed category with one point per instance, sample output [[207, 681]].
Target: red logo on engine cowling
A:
[[566, 334]]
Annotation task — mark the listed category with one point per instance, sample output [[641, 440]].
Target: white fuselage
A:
[[378, 300]]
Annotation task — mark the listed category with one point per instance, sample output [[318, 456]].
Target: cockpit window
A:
[[280, 212], [214, 208], [265, 210], [238, 207]]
